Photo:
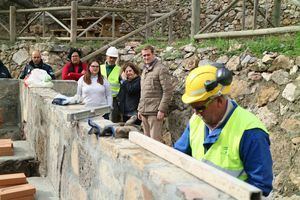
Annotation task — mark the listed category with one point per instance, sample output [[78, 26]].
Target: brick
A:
[[31, 197], [17, 191], [12, 179], [6, 147]]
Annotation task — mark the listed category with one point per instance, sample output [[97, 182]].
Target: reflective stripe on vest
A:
[[224, 153], [113, 78]]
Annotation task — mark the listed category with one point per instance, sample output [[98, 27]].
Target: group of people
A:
[[220, 132]]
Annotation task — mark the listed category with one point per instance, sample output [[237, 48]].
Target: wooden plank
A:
[[108, 9], [30, 22], [12, 23], [92, 25], [255, 8], [195, 19], [222, 181], [217, 17], [125, 37], [148, 31], [261, 12], [31, 10], [74, 9], [12, 179], [25, 198], [17, 191], [57, 21], [84, 114], [5, 141], [232, 34]]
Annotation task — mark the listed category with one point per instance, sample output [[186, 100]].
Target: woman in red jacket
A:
[[75, 69]]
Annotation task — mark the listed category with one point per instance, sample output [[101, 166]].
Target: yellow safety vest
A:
[[224, 153], [113, 78]]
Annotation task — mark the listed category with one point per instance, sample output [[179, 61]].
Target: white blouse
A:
[[95, 94]]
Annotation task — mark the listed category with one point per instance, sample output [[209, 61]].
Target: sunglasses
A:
[[94, 65], [199, 109]]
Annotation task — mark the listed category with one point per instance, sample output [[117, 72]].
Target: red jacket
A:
[[75, 75]]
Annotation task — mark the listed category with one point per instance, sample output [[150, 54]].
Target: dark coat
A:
[[30, 66], [4, 73], [129, 96]]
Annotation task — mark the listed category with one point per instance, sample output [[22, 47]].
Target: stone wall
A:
[[9, 109], [81, 167]]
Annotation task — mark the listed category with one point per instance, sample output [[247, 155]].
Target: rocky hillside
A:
[[268, 85]]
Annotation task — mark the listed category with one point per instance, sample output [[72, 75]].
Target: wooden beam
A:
[[222, 181], [255, 8], [31, 10], [244, 15], [257, 32], [125, 20], [195, 20], [148, 12], [110, 9], [3, 26], [170, 35], [84, 114], [59, 22], [74, 9], [30, 22], [219, 16], [92, 25], [127, 36], [12, 23], [262, 14]]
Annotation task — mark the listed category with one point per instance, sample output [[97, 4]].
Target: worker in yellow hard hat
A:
[[223, 134]]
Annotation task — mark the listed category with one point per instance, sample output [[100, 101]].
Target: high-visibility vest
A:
[[113, 78], [224, 153]]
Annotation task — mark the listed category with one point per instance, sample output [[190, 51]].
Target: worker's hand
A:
[[140, 116], [160, 115]]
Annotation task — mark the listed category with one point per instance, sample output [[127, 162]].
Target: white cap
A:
[[112, 52]]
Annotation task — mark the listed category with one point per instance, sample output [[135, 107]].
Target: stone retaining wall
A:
[[9, 109], [82, 167]]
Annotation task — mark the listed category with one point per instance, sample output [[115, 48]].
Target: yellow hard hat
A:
[[206, 81]]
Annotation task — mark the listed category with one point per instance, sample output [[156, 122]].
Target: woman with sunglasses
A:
[[94, 88]]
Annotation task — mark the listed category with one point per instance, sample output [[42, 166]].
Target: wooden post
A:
[[217, 17], [170, 35], [74, 9], [113, 25], [12, 23], [195, 20], [148, 11], [276, 17], [255, 8], [44, 26], [244, 15]]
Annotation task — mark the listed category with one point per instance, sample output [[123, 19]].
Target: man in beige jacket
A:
[[156, 94]]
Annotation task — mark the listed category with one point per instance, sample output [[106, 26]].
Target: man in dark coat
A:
[[4, 73], [36, 63]]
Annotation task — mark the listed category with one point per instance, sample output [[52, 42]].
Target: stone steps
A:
[[44, 189], [23, 160]]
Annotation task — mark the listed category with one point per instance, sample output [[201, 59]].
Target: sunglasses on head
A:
[[199, 109]]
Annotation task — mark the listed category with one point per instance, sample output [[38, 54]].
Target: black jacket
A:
[[30, 66], [4, 73], [129, 95]]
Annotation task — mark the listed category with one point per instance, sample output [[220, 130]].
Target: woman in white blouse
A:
[[93, 88]]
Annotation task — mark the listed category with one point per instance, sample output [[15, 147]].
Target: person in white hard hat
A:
[[111, 71]]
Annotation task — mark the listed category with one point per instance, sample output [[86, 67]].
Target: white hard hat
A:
[[112, 52]]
